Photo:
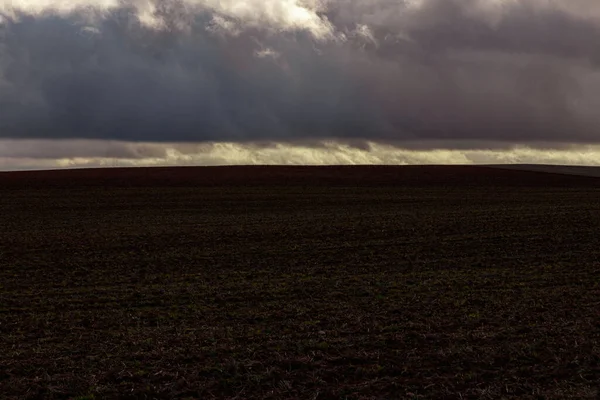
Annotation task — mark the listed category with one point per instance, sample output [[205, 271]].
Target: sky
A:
[[210, 82]]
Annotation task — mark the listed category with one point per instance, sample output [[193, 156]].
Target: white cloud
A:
[[266, 53]]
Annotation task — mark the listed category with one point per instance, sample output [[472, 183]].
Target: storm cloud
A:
[[417, 75]]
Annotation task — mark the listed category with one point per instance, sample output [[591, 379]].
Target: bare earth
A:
[[299, 282]]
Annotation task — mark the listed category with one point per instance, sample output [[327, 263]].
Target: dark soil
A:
[[290, 282], [355, 176]]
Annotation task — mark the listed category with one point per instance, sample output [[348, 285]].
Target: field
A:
[[314, 283]]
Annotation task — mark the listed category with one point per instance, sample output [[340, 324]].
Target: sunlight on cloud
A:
[[27, 154], [286, 15], [60, 6]]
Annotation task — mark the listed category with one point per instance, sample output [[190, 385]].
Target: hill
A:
[[418, 176]]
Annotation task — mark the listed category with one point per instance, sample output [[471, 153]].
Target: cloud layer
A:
[[447, 74], [44, 154]]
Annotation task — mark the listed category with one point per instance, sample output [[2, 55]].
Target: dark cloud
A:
[[444, 71]]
